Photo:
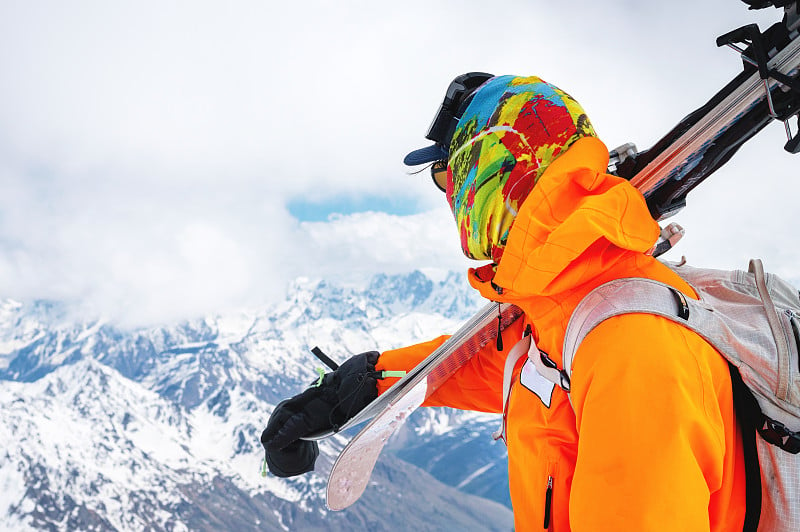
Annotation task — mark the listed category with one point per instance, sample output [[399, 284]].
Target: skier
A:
[[647, 438]]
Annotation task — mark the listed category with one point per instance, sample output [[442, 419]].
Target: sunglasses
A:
[[439, 175]]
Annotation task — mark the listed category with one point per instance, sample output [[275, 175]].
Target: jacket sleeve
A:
[[477, 385], [657, 446]]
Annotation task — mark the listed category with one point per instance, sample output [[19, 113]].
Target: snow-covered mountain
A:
[[158, 429]]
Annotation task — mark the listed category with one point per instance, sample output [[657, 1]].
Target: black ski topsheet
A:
[[708, 137]]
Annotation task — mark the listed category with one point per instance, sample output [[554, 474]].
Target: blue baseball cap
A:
[[428, 154]]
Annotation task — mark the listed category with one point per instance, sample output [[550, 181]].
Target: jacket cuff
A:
[[404, 359]]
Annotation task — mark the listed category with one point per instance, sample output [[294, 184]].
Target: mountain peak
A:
[[131, 429]]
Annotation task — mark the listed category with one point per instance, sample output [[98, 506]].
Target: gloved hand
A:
[[339, 396]]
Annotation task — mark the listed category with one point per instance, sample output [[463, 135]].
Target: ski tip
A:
[[343, 493], [352, 470]]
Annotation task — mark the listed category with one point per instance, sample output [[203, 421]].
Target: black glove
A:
[[338, 397]]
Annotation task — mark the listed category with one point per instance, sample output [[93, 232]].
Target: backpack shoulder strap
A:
[[626, 296]]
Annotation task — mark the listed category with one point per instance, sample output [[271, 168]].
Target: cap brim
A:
[[425, 155]]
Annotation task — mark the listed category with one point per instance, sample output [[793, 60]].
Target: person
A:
[[646, 438]]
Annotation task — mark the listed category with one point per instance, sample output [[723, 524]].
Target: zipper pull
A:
[[499, 332], [548, 502]]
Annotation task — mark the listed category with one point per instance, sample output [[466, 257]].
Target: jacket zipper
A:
[[548, 502]]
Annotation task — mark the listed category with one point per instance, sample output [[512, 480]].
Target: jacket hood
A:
[[576, 223], [509, 134]]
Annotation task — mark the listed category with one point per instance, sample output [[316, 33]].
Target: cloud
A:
[[148, 152], [367, 242]]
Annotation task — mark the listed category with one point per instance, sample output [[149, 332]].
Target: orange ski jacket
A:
[[650, 441]]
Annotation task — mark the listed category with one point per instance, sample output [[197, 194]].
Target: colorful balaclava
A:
[[508, 135]]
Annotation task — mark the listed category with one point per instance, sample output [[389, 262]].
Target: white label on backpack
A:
[[533, 380]]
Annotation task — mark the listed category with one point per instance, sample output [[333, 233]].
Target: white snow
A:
[[102, 437]]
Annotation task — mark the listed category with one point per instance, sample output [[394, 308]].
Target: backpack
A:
[[753, 320]]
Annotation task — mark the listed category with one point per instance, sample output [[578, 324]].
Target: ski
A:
[[352, 469], [767, 89]]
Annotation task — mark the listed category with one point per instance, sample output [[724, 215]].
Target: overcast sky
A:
[[160, 160]]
